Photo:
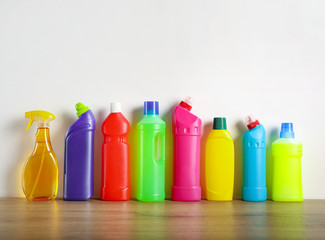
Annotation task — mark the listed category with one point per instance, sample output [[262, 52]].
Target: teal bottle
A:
[[254, 161], [151, 155]]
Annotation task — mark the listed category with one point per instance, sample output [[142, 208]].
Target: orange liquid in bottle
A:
[[40, 174]]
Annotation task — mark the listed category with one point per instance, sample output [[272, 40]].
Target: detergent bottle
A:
[[287, 152], [41, 172], [79, 156], [151, 155], [186, 167], [116, 156], [254, 161], [219, 162]]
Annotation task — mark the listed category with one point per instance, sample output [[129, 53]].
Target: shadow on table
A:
[[272, 136], [238, 143], [136, 116], [206, 128]]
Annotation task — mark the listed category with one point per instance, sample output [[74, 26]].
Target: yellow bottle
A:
[[219, 163], [41, 172]]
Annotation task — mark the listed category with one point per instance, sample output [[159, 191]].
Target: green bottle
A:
[[151, 155], [287, 152]]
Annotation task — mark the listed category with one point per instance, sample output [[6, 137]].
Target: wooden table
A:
[[95, 219]]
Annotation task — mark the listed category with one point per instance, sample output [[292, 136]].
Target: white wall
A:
[[233, 57]]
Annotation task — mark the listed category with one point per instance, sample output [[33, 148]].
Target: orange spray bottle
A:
[[40, 173]]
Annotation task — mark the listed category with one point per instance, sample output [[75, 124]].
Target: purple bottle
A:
[[79, 157]]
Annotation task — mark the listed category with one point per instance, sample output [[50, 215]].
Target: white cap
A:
[[250, 119], [188, 100], [115, 107]]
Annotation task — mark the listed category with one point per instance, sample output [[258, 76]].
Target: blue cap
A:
[[287, 130], [151, 108]]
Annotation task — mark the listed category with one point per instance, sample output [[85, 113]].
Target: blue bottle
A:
[[254, 161], [79, 157]]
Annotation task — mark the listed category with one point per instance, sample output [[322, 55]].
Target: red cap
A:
[[253, 124], [185, 105], [251, 121]]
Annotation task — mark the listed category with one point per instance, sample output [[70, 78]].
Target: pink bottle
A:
[[187, 133]]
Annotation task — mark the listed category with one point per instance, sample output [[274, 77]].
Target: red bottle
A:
[[116, 156]]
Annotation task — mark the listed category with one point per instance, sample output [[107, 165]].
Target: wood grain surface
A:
[[95, 219]]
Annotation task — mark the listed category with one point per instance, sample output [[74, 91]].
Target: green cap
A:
[[81, 109], [219, 123]]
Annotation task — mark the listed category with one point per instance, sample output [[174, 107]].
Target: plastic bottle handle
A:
[[158, 147]]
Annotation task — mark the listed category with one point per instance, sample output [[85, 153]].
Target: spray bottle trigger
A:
[[30, 122]]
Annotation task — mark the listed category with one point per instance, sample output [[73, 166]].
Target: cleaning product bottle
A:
[[219, 162], [41, 172], [187, 133], [254, 161], [79, 156], [151, 155], [116, 156], [287, 152]]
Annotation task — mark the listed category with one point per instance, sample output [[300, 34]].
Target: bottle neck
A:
[[43, 135], [43, 125], [150, 115]]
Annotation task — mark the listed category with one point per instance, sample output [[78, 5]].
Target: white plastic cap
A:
[[188, 100], [250, 119], [115, 107]]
